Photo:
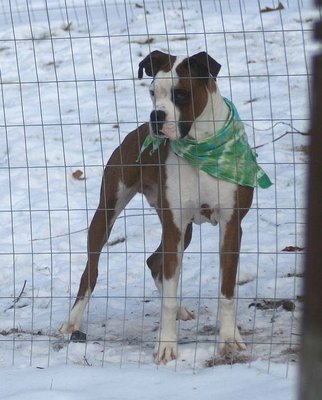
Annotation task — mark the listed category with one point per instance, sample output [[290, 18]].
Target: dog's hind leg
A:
[[96, 239], [155, 263], [119, 185]]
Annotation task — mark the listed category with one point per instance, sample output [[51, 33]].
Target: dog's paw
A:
[[68, 327], [231, 347], [184, 314], [231, 344], [165, 352]]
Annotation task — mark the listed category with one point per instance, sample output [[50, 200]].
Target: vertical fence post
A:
[[311, 357]]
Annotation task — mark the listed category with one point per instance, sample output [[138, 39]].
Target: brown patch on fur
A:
[[197, 87], [231, 244], [156, 260]]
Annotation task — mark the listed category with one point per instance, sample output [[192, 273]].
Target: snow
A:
[[68, 383], [69, 94]]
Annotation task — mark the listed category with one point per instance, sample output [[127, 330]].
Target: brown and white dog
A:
[[186, 102]]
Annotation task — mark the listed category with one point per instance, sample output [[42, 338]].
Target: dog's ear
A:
[[154, 62], [205, 64]]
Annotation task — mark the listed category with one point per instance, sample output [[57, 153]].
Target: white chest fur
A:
[[195, 196]]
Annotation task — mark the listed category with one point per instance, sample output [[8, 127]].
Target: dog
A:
[[187, 107]]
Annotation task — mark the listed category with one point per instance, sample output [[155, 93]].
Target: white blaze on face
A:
[[161, 94]]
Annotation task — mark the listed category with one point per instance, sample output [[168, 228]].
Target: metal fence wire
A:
[[69, 95]]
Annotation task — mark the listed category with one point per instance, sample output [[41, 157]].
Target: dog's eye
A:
[[180, 96]]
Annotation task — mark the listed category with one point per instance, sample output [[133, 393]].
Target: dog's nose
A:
[[157, 118]]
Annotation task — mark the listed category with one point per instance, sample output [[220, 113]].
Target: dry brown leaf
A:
[[78, 175]]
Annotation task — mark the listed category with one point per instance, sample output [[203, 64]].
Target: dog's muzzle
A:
[[157, 119]]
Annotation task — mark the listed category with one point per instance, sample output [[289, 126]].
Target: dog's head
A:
[[179, 91]]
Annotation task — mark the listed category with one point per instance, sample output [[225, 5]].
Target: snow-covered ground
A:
[[130, 382], [69, 94]]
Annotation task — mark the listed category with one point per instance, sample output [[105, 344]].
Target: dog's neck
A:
[[212, 118]]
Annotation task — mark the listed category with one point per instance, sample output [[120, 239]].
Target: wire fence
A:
[[69, 95]]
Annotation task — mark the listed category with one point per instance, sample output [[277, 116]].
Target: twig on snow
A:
[[19, 297]]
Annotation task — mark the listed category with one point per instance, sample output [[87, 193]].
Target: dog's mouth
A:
[[160, 127], [168, 135], [166, 132], [157, 132]]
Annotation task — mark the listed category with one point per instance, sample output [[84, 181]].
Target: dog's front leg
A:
[[173, 241], [166, 345], [230, 339], [231, 234]]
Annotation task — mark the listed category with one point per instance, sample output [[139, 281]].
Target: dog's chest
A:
[[195, 196]]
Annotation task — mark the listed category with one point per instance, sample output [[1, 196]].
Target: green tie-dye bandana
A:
[[225, 155]]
